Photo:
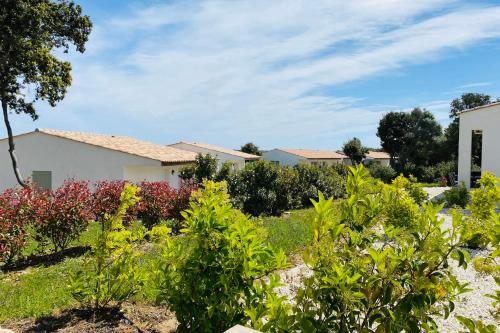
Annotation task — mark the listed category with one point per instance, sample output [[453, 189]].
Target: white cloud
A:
[[232, 71]]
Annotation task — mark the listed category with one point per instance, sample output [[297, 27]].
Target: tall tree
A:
[[410, 138], [355, 150], [392, 131], [30, 30], [251, 148], [465, 102]]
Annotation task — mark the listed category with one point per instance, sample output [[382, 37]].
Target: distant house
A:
[[50, 156], [378, 157], [222, 155], [479, 142], [293, 157]]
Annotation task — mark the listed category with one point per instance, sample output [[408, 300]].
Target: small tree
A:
[[251, 148], [355, 150], [29, 31], [204, 167]]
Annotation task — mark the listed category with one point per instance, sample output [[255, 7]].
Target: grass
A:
[[37, 291], [289, 233]]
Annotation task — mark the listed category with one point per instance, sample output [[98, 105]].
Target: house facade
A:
[[479, 142], [291, 157], [378, 157], [237, 158], [49, 157]]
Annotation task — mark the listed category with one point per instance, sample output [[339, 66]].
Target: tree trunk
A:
[[12, 153]]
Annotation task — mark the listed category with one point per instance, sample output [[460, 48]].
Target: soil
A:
[[130, 318]]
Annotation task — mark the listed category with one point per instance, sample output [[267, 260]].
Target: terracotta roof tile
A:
[[127, 145], [312, 154], [378, 154], [220, 150]]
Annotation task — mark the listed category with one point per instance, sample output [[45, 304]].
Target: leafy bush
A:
[[209, 280], [205, 167], [255, 188], [313, 179], [484, 201], [411, 186], [67, 214], [436, 172], [382, 172], [457, 196], [111, 272], [19, 209], [157, 202], [373, 277], [106, 200]]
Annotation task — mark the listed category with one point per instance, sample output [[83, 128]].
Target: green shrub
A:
[[411, 185], [210, 280], [434, 173], [313, 179], [383, 172], [111, 272], [370, 276], [204, 167], [457, 196], [483, 204]]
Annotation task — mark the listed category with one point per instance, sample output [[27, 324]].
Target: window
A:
[[42, 179]]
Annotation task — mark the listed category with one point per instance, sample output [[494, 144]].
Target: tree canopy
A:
[[30, 30], [251, 148], [355, 150]]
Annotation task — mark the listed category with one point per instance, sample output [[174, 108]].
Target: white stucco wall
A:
[[239, 162], [71, 159], [284, 158], [487, 120], [323, 161], [382, 161]]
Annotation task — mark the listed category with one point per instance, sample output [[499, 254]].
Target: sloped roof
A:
[[378, 154], [479, 107], [314, 154], [219, 149], [127, 145]]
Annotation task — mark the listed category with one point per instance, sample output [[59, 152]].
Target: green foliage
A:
[[210, 280], [382, 172], [261, 189], [411, 185], [112, 272], [457, 196], [251, 148], [435, 173], [475, 326], [370, 276], [30, 31], [289, 232], [355, 150], [313, 179], [484, 201], [204, 167], [412, 138]]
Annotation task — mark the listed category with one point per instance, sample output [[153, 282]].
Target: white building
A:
[[378, 157], [293, 157], [49, 157], [481, 124], [222, 155]]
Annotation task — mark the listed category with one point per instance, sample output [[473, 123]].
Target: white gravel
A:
[[473, 304]]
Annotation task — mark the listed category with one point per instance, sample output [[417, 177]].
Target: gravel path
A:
[[472, 304], [435, 192]]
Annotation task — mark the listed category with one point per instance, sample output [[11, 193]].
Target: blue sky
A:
[[283, 73]]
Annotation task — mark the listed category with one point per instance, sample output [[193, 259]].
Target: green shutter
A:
[[43, 179]]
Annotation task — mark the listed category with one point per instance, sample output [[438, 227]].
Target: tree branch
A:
[[12, 153]]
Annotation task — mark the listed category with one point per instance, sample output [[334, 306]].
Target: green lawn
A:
[[290, 233], [37, 291]]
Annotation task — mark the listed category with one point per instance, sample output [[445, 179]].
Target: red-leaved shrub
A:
[[19, 208], [106, 200], [157, 202], [68, 213]]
